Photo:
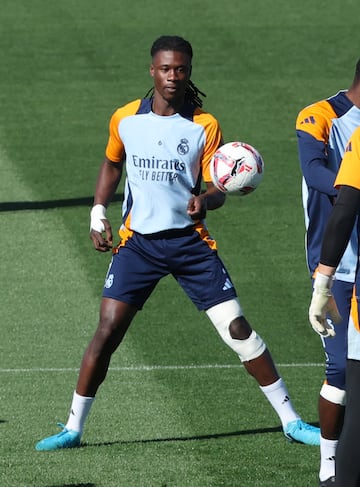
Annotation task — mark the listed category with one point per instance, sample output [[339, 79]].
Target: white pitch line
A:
[[149, 368]]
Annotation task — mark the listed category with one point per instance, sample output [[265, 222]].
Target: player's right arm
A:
[[107, 182]]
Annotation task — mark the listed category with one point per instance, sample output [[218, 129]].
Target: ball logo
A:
[[238, 166], [245, 167]]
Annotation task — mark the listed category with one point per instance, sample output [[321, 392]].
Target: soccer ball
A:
[[237, 167]]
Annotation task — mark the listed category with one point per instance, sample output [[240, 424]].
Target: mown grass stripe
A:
[[149, 368]]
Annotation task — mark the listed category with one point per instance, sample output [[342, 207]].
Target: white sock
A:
[[278, 396], [327, 458], [80, 408]]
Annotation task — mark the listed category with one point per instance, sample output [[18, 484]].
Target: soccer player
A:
[[336, 236], [323, 130], [166, 141]]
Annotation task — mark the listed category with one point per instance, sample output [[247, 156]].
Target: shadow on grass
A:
[[51, 204], [214, 436]]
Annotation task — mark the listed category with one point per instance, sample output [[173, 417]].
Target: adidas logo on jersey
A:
[[309, 120]]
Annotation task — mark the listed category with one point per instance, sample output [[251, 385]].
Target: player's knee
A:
[[250, 348], [236, 332], [333, 394], [239, 328]]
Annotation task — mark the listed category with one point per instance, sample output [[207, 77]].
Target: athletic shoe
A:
[[65, 439], [301, 432], [330, 482]]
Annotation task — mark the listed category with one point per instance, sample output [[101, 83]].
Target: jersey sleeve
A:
[[316, 119], [213, 136], [349, 171], [115, 150], [313, 127]]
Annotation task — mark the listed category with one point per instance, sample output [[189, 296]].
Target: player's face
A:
[[171, 71]]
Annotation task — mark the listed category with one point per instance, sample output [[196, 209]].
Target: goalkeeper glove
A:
[[323, 303]]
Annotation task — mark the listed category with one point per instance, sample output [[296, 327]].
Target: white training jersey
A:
[[166, 159]]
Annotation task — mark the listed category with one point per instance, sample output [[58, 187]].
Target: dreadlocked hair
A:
[[357, 71], [176, 43], [191, 94]]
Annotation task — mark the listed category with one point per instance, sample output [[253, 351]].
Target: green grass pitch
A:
[[177, 408]]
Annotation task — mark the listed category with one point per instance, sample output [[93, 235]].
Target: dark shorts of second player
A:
[[137, 267], [336, 347]]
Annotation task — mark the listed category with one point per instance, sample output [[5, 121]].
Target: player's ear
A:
[[151, 70]]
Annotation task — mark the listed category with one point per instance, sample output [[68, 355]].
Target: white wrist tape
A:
[[97, 214]]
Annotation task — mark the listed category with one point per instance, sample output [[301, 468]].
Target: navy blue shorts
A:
[[142, 261], [336, 347]]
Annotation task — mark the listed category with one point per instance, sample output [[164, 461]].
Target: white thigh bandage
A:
[[333, 394], [221, 316]]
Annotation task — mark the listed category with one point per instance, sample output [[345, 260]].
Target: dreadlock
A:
[[357, 71], [176, 43]]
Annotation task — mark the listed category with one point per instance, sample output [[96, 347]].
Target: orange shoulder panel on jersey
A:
[[213, 139], [316, 119], [349, 171], [115, 148]]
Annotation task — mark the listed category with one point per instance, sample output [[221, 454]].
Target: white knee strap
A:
[[221, 316], [333, 394]]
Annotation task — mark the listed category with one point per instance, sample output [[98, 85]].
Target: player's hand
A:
[[323, 304], [100, 225], [197, 207]]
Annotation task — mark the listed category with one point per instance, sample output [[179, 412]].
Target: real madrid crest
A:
[[183, 147]]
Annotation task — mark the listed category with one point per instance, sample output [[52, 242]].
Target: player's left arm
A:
[[210, 199]]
